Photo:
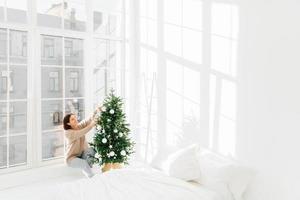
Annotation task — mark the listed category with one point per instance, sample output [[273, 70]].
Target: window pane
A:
[[99, 80], [148, 8], [74, 82], [172, 11], [17, 117], [191, 88], [18, 82], [3, 82], [17, 11], [175, 76], [111, 5], [3, 152], [52, 82], [49, 13], [51, 50], [192, 45], [101, 47], [17, 150], [18, 47], [73, 52], [148, 32], [75, 106], [107, 24], [2, 3], [114, 68], [221, 19], [175, 108], [222, 55], [53, 144], [52, 114], [192, 14], [99, 22], [75, 15], [3, 45], [172, 39], [3, 119]]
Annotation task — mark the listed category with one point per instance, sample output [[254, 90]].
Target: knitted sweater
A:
[[75, 138]]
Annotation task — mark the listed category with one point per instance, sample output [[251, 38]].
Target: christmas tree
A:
[[111, 142]]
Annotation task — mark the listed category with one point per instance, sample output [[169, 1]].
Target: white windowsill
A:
[[30, 176]]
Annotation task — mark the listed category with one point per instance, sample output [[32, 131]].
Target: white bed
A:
[[126, 184], [129, 184]]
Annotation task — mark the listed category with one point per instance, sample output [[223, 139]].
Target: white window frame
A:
[[15, 27], [34, 32]]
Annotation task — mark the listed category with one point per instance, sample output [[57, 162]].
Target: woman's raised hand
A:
[[98, 109]]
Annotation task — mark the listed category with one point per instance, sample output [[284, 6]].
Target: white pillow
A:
[[183, 164], [161, 156], [215, 168]]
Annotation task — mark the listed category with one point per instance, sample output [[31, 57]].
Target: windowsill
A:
[[35, 175], [44, 174]]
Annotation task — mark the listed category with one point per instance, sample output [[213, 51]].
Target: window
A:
[[73, 52], [68, 48], [3, 119], [13, 100], [49, 13], [49, 47], [54, 81], [4, 81], [18, 46], [74, 81], [62, 89], [10, 82], [3, 45], [75, 15], [2, 5], [16, 11], [107, 17]]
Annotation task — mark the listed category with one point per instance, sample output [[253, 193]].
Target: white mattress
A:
[[126, 184]]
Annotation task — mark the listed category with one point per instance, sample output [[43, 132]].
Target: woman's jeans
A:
[[83, 162]]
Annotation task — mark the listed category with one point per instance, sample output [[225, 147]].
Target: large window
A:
[[13, 98], [71, 42], [62, 89]]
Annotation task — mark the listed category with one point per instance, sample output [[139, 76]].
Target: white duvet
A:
[[126, 184]]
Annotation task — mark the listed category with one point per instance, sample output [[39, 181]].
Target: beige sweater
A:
[[76, 142]]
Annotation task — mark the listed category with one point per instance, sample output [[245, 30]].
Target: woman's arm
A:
[[86, 122], [73, 135]]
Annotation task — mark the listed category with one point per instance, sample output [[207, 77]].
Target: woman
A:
[[78, 152]]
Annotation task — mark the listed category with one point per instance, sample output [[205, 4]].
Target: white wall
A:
[[269, 99], [253, 113]]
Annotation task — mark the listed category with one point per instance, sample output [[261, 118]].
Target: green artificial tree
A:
[[111, 142]]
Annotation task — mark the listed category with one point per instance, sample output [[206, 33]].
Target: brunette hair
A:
[[66, 121]]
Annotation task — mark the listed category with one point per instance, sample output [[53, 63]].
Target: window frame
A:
[[16, 167], [34, 53]]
